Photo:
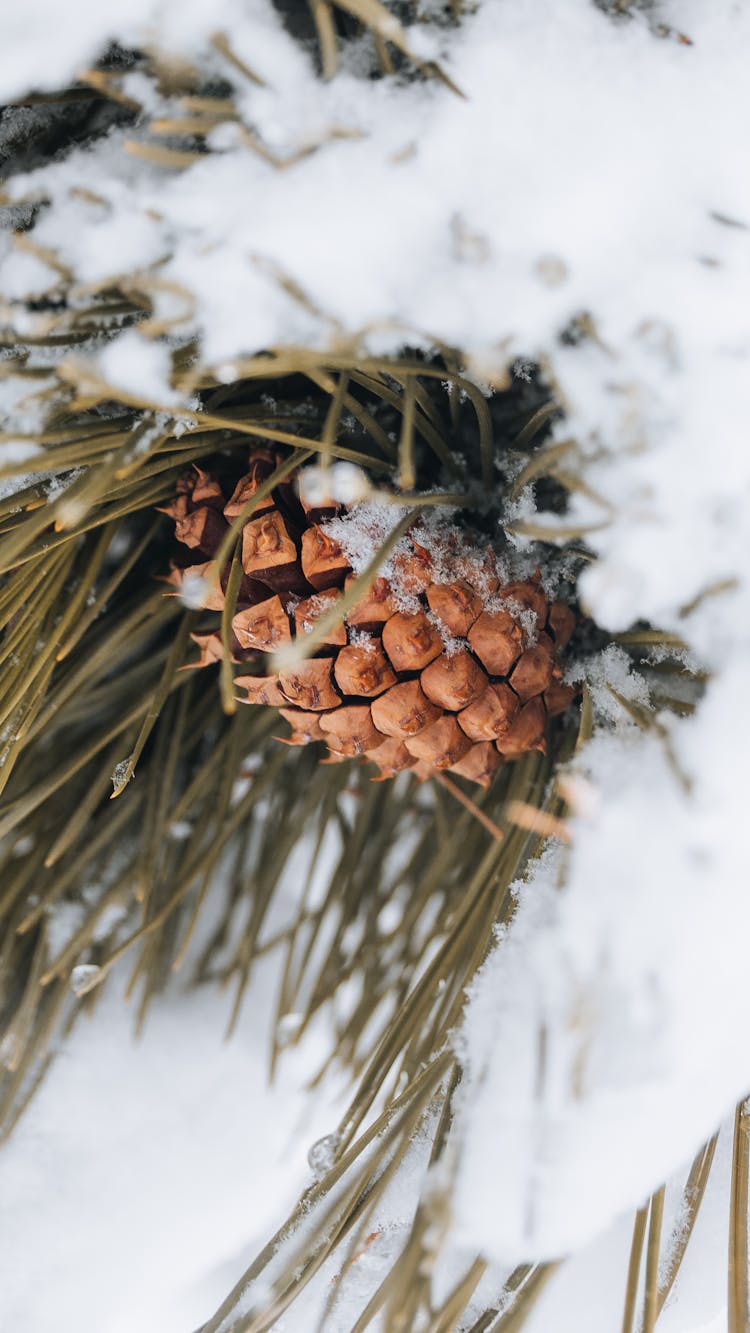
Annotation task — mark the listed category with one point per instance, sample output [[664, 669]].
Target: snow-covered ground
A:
[[146, 1174]]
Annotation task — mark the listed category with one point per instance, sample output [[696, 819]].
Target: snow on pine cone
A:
[[439, 665]]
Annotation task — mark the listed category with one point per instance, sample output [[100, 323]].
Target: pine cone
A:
[[438, 666]]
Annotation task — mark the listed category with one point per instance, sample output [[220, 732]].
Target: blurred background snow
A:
[[146, 1175]]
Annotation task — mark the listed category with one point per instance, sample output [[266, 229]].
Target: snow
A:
[[137, 368], [145, 1173], [344, 483], [585, 1295], [604, 672], [118, 773], [630, 235], [83, 977], [594, 176], [634, 977]]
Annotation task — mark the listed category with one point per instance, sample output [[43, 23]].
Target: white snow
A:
[[140, 369], [344, 483], [146, 1173]]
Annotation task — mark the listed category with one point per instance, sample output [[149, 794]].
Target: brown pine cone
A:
[[439, 665]]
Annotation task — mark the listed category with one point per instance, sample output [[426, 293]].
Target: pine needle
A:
[[738, 1313]]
